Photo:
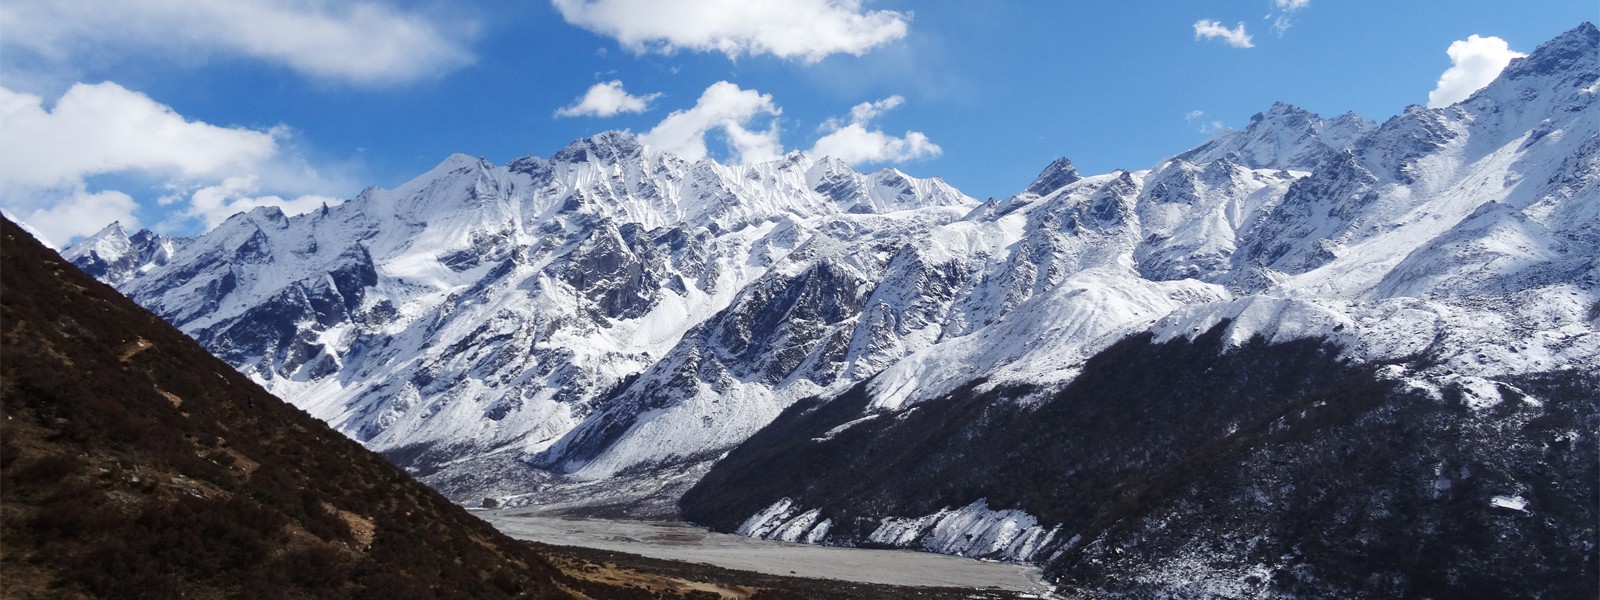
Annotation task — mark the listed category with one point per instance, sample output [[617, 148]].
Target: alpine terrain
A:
[[1314, 357]]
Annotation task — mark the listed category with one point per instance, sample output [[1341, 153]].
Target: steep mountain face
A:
[[614, 313], [1195, 468], [113, 256], [1399, 362], [497, 311]]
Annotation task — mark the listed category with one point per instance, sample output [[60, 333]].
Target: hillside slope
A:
[[1187, 468], [135, 463]]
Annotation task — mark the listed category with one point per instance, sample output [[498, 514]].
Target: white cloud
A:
[[722, 106], [606, 100], [105, 128], [807, 30], [1206, 29], [78, 212], [47, 158], [361, 42], [726, 108], [855, 144], [213, 204], [1282, 15], [1475, 62], [867, 111], [1197, 119]]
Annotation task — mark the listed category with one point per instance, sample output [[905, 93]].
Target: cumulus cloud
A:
[[76, 212], [48, 157], [361, 42], [213, 204], [733, 112], [606, 100], [1206, 29], [726, 107], [867, 111], [1474, 62], [854, 143], [806, 30], [106, 128]]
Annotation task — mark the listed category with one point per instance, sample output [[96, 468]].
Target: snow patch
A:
[[784, 521], [973, 530], [1516, 503]]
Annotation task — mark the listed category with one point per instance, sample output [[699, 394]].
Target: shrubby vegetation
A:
[[135, 465]]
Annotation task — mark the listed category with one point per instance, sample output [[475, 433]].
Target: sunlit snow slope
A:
[[614, 309]]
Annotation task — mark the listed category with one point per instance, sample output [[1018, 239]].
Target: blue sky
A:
[[173, 113]]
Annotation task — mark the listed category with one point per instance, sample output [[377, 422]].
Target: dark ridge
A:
[[136, 465], [1192, 455]]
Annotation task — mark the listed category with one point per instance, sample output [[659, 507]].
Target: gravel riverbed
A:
[[684, 542]]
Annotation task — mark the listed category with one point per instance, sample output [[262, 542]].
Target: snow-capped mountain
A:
[[483, 309], [113, 256], [1375, 341], [614, 312]]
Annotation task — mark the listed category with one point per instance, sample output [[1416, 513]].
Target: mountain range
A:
[[1260, 366]]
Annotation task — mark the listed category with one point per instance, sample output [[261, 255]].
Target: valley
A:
[[1313, 357], [679, 541]]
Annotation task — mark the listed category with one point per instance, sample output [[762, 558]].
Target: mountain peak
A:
[[1554, 81], [109, 244], [1058, 174], [1283, 112], [115, 228], [606, 147], [1284, 137], [1573, 51]]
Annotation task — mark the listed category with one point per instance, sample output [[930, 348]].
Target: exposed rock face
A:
[[1398, 322], [615, 311], [506, 310]]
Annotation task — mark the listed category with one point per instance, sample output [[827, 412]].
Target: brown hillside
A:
[[136, 465]]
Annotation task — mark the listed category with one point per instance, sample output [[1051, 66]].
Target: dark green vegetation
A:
[[1193, 470]]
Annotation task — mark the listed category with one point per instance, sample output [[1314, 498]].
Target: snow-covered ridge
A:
[[113, 256], [482, 309], [613, 309]]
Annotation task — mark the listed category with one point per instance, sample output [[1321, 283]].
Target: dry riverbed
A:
[[683, 542]]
